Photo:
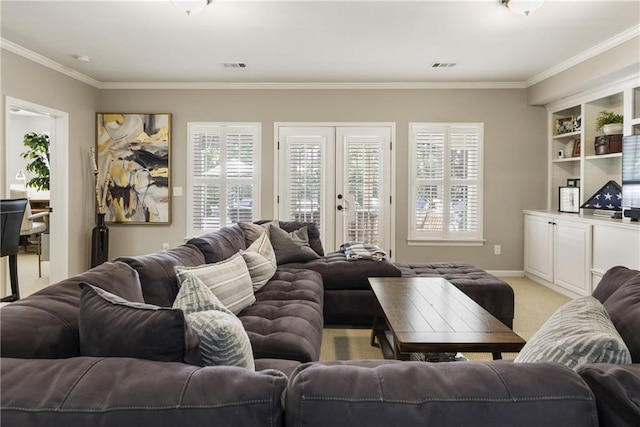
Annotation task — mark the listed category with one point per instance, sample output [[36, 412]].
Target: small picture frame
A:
[[576, 148], [577, 124], [569, 199], [573, 182], [564, 125]]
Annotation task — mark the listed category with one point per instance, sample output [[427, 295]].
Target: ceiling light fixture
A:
[[82, 58], [191, 6], [522, 7]]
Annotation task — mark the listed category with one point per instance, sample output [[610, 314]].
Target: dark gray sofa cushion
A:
[[125, 392], [623, 307], [617, 391], [286, 320], [338, 273], [612, 280], [475, 394], [220, 244], [157, 276], [45, 325]]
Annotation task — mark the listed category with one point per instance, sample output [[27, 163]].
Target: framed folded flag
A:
[[608, 198]]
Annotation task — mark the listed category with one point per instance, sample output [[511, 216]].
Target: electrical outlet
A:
[[165, 246], [497, 249]]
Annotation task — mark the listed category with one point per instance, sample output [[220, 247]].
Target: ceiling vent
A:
[[234, 65], [443, 64]]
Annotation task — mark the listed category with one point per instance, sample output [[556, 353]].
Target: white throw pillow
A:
[[229, 280], [261, 261], [223, 339]]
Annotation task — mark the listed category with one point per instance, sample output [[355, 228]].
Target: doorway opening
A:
[[22, 117]]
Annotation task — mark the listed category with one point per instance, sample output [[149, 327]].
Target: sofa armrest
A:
[[617, 391], [445, 394], [132, 392]]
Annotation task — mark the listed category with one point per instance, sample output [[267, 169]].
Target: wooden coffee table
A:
[[423, 315]]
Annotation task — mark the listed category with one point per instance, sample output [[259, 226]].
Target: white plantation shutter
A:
[[223, 176], [446, 177], [364, 169]]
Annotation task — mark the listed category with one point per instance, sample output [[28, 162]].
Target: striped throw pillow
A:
[[577, 333], [223, 339], [261, 261], [229, 280]]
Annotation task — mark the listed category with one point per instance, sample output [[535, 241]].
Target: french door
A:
[[338, 177]]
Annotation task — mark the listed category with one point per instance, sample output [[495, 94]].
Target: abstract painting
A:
[[134, 168]]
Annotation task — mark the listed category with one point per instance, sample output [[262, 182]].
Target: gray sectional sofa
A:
[[47, 379]]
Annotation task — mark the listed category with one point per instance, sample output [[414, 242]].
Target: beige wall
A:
[[515, 150], [515, 153], [617, 63], [28, 81]]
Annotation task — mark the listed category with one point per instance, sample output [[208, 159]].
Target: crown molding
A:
[[312, 85], [625, 36], [44, 61]]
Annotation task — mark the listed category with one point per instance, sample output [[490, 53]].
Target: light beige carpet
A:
[[534, 304]]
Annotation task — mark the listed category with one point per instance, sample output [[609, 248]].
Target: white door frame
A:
[[59, 183], [391, 125]]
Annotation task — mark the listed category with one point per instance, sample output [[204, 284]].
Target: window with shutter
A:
[[446, 182], [223, 176]]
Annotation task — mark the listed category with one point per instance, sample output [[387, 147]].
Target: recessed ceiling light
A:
[[82, 58]]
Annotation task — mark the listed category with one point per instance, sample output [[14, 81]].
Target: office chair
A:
[[11, 214]]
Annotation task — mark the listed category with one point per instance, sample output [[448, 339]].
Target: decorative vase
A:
[[612, 129], [99, 242]]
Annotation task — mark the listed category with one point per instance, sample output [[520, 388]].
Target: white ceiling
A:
[[315, 41]]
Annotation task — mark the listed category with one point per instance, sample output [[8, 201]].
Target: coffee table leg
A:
[[497, 355], [374, 327]]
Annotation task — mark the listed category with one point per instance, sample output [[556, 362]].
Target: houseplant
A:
[[609, 122], [39, 156]]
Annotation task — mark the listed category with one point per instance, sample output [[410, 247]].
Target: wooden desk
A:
[[423, 315]]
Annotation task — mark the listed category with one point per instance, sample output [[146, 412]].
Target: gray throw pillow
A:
[[223, 339], [578, 333], [291, 247], [229, 280], [252, 231]]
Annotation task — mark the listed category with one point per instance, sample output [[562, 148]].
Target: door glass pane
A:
[[305, 182], [363, 186]]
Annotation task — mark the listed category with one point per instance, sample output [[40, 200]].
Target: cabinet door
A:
[[614, 246], [572, 243], [538, 246]]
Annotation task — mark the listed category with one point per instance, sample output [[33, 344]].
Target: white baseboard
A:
[[506, 273]]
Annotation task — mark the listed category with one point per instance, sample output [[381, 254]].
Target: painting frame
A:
[[133, 168]]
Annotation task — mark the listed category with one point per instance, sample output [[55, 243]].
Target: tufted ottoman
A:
[[493, 294], [286, 320]]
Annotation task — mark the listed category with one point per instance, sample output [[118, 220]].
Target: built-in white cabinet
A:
[[570, 253], [614, 245], [557, 253]]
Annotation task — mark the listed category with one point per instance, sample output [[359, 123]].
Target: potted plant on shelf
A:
[[609, 122], [39, 156]]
